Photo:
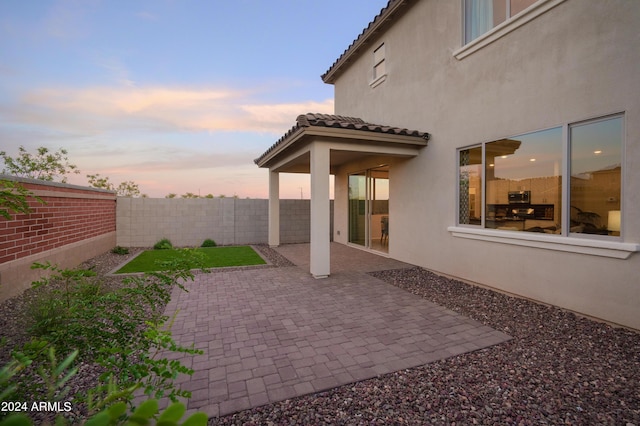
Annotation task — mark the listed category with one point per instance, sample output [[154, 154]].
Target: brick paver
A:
[[275, 333]]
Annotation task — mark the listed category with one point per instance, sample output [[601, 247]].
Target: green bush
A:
[[120, 250], [163, 244], [208, 243], [110, 410], [123, 329]]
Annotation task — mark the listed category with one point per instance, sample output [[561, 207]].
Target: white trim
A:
[[505, 27], [378, 81], [613, 249]]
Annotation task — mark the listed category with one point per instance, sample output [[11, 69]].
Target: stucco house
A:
[[492, 141]]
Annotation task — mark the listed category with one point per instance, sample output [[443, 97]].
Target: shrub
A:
[[208, 243], [163, 244], [122, 329], [120, 250]]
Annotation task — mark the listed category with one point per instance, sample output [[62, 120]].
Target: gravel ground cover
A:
[[559, 368]]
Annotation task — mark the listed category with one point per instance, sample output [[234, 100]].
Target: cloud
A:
[[117, 70], [101, 110]]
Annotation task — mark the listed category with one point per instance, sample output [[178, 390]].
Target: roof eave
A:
[[336, 134], [363, 39]]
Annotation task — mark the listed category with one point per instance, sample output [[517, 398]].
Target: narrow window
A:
[[470, 179], [379, 68], [596, 178]]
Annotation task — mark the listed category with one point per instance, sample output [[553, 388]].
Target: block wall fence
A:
[[76, 223], [73, 224], [141, 222]]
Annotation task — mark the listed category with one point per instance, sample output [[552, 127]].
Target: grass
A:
[[212, 257]]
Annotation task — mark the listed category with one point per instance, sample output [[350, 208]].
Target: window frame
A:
[[378, 79], [599, 245], [502, 29]]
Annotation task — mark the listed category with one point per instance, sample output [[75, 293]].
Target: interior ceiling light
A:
[[532, 159], [597, 152]]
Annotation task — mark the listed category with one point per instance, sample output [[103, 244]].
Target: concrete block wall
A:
[[141, 222], [295, 221], [74, 224]]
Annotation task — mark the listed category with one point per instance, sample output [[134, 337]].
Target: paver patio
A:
[[275, 333]]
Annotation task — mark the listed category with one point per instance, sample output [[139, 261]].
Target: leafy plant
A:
[[122, 329], [124, 189], [120, 250], [111, 410], [13, 198], [163, 244], [43, 165], [208, 243], [117, 414]]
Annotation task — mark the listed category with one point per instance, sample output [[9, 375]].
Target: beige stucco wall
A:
[[578, 61], [17, 276]]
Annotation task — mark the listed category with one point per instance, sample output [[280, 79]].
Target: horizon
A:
[[177, 97]]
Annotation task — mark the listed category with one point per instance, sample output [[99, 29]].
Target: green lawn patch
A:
[[212, 257]]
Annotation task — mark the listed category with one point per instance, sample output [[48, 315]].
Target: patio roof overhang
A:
[[347, 139], [317, 145]]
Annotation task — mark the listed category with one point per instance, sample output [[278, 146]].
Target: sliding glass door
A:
[[369, 208], [357, 209]]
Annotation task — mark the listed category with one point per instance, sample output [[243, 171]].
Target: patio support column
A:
[[274, 209], [320, 211]]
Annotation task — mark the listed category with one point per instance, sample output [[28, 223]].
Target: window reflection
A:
[[596, 177], [524, 182], [470, 202], [482, 15]]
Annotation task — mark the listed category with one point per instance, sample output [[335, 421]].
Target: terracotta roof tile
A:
[[339, 121]]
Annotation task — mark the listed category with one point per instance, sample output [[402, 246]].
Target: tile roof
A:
[[338, 121], [385, 17]]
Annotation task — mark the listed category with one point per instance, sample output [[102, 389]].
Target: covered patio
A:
[[318, 144]]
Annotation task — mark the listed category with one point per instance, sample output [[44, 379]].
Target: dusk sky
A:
[[177, 96]]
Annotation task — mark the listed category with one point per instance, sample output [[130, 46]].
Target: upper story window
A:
[[541, 183], [483, 15], [379, 65]]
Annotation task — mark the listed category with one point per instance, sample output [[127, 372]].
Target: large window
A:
[[516, 183], [482, 15]]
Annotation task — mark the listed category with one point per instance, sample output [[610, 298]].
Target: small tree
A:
[[128, 189], [13, 198], [125, 189], [44, 165]]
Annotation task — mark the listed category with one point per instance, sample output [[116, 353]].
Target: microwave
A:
[[519, 197]]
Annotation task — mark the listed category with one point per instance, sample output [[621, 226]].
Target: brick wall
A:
[[71, 218]]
